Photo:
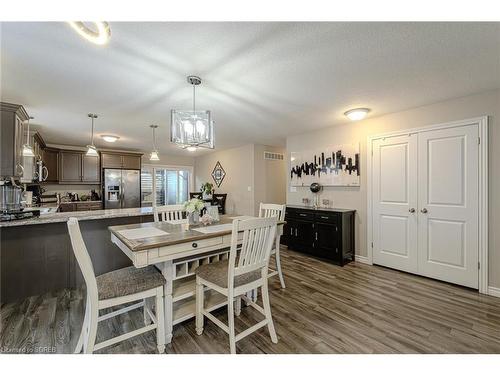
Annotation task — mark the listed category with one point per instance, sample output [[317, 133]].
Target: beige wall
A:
[[245, 167], [487, 103], [270, 177], [238, 163]]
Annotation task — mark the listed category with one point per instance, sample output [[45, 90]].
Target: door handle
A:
[[291, 231], [411, 210], [316, 236], [295, 232], [44, 169], [423, 210]]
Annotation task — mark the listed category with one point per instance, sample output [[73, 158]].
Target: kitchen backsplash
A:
[[63, 189]]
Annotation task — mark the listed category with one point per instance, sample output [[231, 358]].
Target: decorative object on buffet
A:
[[326, 203], [207, 190], [315, 189], [306, 201], [331, 166], [192, 129], [218, 174], [213, 212], [206, 219], [193, 209]]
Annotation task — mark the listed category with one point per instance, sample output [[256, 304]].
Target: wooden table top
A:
[[177, 233]]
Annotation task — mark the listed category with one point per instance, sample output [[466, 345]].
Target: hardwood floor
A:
[[324, 309]]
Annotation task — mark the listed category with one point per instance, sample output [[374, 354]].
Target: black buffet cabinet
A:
[[326, 233]]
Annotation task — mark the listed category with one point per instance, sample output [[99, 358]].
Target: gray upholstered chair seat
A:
[[127, 281], [216, 273]]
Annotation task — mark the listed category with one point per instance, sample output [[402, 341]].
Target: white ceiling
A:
[[263, 81]]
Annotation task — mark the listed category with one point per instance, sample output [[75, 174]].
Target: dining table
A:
[[177, 249]]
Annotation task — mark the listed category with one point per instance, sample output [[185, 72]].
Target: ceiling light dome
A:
[[110, 138], [100, 35], [357, 114]]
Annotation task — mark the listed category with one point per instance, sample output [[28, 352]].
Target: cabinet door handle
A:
[[423, 210], [316, 236], [302, 215], [44, 168], [295, 232], [291, 231], [411, 210], [325, 217]]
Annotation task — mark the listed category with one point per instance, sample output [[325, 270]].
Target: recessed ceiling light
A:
[[100, 35], [110, 138], [357, 114]]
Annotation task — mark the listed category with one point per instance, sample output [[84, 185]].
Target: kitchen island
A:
[[36, 255]]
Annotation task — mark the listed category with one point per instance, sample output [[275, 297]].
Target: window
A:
[[169, 186]]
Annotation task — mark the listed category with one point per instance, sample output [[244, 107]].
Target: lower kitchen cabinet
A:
[[325, 233]]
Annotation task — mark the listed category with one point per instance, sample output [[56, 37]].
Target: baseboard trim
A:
[[492, 291], [362, 259]]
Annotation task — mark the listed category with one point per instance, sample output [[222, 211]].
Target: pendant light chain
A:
[[92, 132], [194, 99]]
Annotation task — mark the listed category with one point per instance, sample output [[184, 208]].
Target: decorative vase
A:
[[194, 217], [207, 197]]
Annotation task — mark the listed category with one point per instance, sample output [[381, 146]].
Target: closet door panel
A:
[[394, 198], [448, 205]]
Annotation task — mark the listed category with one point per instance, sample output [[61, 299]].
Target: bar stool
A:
[[117, 288], [239, 275]]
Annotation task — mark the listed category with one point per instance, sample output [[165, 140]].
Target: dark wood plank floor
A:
[[324, 309]]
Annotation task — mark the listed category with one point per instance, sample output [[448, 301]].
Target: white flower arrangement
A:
[[193, 205]]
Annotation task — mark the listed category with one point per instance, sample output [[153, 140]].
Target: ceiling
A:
[[262, 81]]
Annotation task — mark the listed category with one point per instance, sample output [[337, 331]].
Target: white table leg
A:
[[168, 273]]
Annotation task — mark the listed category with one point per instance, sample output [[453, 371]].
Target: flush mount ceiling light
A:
[[27, 149], [110, 138], [91, 149], [100, 35], [192, 129], [154, 156], [357, 114]]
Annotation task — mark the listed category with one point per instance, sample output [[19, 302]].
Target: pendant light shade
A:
[[91, 149], [27, 149], [192, 129], [154, 156]]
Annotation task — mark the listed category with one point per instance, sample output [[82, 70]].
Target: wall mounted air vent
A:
[[273, 156]]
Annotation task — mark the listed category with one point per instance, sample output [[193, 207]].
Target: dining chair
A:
[[116, 288], [172, 212], [196, 195], [278, 210], [239, 275], [220, 201]]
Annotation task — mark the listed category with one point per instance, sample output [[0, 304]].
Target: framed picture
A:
[[218, 174], [330, 166]]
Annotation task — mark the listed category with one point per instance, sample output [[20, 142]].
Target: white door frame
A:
[[483, 188]]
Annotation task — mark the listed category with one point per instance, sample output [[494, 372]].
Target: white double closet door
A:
[[425, 203]]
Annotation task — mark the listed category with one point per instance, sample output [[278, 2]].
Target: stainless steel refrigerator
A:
[[122, 188]]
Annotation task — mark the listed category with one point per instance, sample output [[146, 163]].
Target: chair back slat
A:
[[270, 210], [171, 212], [258, 239], [83, 258]]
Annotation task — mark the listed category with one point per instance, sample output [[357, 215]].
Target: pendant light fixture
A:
[[154, 156], [192, 129], [27, 149], [91, 149]]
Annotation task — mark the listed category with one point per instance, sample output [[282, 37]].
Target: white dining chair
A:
[[172, 212], [239, 275], [278, 210], [117, 288]]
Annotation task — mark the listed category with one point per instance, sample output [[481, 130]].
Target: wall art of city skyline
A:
[[331, 166]]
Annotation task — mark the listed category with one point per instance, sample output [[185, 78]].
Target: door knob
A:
[[412, 210], [423, 210]]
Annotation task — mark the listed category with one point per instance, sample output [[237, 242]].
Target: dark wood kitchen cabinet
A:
[[12, 139], [77, 168], [50, 158], [325, 233], [120, 160]]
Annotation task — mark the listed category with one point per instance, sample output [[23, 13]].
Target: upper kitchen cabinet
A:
[[50, 162], [77, 168], [120, 160], [11, 140]]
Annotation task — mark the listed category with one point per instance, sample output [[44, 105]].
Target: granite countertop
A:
[[59, 217], [320, 208]]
